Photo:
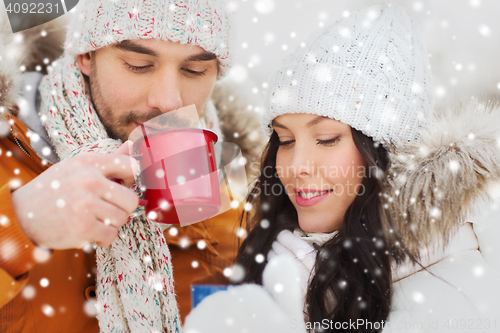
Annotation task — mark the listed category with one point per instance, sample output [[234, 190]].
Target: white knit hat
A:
[[206, 23], [369, 71]]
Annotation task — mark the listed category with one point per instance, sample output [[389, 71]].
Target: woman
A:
[[391, 252], [360, 85]]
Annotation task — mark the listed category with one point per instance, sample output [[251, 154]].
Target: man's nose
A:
[[165, 92]]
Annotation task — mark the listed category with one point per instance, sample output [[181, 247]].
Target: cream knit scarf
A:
[[135, 291]]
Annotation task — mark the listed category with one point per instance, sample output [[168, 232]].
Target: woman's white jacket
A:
[[458, 291]]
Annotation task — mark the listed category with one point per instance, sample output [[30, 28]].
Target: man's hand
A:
[[77, 201]]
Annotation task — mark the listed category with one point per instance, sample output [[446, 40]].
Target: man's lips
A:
[[149, 128]]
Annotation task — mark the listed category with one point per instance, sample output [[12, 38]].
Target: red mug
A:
[[179, 174]]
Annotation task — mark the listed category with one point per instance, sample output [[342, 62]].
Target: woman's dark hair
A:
[[353, 267]]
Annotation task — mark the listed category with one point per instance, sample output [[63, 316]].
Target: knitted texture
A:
[[135, 290], [205, 23], [369, 71]]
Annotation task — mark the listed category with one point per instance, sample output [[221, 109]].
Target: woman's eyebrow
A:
[[315, 121], [276, 124]]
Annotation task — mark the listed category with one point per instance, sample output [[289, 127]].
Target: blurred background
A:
[[462, 38]]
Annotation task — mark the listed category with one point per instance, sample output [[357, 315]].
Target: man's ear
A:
[[84, 61]]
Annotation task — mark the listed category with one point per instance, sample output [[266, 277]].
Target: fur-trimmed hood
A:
[[31, 48], [10, 80], [432, 186]]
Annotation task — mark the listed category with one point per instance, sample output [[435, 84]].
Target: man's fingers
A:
[[110, 214], [116, 166], [125, 149], [118, 195], [103, 234]]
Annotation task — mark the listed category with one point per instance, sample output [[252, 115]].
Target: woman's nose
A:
[[302, 162]]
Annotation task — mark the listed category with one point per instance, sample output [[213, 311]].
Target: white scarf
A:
[[135, 291]]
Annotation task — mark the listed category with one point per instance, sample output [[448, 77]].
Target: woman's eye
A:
[[285, 143], [195, 73], [138, 68], [330, 142]]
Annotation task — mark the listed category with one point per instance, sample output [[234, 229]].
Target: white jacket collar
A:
[[463, 240]]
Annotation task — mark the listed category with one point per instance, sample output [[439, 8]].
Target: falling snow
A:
[[48, 310], [44, 282]]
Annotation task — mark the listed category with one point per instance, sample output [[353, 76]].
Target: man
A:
[[125, 63]]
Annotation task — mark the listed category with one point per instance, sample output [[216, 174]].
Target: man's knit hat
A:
[[369, 70], [205, 23]]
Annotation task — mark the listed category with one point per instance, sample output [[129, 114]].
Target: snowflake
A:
[[269, 38], [184, 242], [173, 231], [264, 6], [475, 3], [259, 258], [238, 73], [28, 292], [48, 310], [201, 244], [344, 32], [416, 88], [46, 151], [165, 205], [454, 166], [237, 273], [4, 220], [227, 271], [90, 308], [418, 6], [44, 282], [241, 232], [418, 297], [478, 271], [247, 207]]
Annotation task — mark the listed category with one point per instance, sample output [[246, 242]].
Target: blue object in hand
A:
[[200, 291]]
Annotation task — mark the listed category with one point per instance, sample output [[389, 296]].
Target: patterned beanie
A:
[[205, 23], [369, 70]]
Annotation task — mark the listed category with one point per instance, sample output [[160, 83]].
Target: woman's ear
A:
[[84, 61]]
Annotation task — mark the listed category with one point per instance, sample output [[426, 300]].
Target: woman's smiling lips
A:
[[306, 197]]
